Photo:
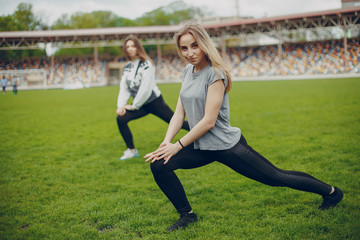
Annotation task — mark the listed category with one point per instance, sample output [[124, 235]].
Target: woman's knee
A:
[[158, 167], [121, 119]]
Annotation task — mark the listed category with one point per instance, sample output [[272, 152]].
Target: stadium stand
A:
[[297, 59], [69, 72]]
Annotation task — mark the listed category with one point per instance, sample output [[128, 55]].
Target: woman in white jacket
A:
[[138, 82]]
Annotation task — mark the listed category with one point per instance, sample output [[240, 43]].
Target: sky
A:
[[51, 10]]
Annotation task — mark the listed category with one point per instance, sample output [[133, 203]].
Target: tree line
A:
[[24, 18]]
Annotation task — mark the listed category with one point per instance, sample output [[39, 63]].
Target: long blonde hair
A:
[[207, 45], [140, 49]]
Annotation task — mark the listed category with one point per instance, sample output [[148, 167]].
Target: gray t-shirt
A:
[[193, 97]]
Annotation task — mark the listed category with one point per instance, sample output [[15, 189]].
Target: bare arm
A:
[[214, 100], [176, 122]]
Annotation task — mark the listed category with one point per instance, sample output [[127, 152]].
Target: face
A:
[[191, 51], [131, 49]]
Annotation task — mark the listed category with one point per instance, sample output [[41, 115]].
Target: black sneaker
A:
[[183, 221], [331, 200]]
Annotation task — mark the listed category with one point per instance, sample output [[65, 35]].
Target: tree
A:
[[7, 23], [95, 19], [26, 20], [23, 19], [124, 22], [105, 18], [63, 22], [174, 13]]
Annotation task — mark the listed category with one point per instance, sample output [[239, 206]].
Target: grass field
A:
[[61, 178]]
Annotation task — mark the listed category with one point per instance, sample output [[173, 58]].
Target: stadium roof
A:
[[98, 32], [76, 38]]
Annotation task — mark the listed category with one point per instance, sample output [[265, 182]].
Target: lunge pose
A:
[[204, 101], [138, 81]]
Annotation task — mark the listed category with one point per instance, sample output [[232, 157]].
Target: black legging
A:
[[157, 107], [241, 158]]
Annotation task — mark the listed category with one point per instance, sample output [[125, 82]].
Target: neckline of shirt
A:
[[196, 74], [135, 61]]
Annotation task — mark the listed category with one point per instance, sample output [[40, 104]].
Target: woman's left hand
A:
[[165, 151], [129, 107]]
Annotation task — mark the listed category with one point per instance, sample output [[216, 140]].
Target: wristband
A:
[[181, 144]]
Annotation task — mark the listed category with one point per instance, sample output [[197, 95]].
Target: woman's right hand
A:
[[165, 151], [121, 111]]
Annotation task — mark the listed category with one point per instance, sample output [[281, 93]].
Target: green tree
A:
[[95, 19], [84, 20], [125, 22], [63, 22], [171, 14], [7, 23], [155, 17], [105, 18], [26, 20], [23, 19]]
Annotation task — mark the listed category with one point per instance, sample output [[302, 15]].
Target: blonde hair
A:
[[206, 44], [140, 49]]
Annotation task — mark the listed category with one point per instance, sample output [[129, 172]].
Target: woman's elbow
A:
[[210, 124]]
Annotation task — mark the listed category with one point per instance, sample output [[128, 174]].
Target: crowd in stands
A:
[[295, 59], [79, 70], [170, 66], [65, 71]]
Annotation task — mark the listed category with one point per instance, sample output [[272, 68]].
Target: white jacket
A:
[[138, 81]]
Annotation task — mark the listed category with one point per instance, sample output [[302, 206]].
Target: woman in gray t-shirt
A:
[[204, 101]]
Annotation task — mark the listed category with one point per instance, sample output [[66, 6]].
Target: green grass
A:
[[60, 177]]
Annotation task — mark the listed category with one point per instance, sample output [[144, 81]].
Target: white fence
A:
[[27, 79]]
